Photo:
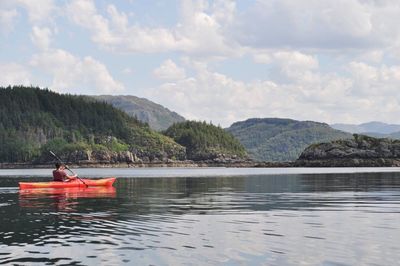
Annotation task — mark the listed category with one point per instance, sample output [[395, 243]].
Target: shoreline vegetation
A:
[[381, 162], [169, 163], [187, 163], [183, 164]]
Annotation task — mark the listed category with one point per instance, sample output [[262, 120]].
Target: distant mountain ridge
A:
[[376, 129], [277, 139], [157, 116]]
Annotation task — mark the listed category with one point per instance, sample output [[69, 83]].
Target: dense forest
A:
[[275, 139], [34, 121], [205, 141]]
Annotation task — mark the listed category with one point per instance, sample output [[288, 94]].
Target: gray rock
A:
[[358, 151]]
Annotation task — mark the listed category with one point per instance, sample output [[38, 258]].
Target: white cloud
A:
[[287, 65], [118, 20], [84, 13], [362, 72], [372, 82], [14, 74], [73, 74], [198, 32], [295, 59], [318, 24], [262, 57], [217, 28], [374, 56], [169, 71], [294, 65], [362, 96], [127, 71], [115, 33], [38, 10], [7, 18], [41, 37], [203, 27], [214, 96]]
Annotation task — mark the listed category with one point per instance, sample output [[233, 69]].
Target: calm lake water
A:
[[208, 216]]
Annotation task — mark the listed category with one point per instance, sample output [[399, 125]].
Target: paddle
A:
[[66, 167]]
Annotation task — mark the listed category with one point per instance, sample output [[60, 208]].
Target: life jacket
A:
[[59, 175]]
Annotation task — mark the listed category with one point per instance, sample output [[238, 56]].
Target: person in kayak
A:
[[60, 175]]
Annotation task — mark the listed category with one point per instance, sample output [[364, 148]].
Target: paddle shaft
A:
[[66, 167]]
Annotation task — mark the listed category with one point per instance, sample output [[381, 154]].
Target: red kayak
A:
[[104, 182]]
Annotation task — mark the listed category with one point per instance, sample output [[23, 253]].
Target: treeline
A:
[[34, 120], [205, 141]]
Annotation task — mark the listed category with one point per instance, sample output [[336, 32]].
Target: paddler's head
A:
[[59, 165]]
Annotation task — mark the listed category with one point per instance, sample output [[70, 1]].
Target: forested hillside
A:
[[33, 121], [205, 141], [157, 116], [274, 139]]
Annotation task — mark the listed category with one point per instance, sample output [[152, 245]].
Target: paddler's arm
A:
[[71, 177]]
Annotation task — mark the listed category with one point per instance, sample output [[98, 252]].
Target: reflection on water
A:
[[61, 198], [331, 219]]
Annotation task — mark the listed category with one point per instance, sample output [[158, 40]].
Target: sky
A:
[[333, 61]]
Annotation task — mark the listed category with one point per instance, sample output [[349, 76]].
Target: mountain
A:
[[206, 142], [275, 139], [34, 121], [370, 128], [360, 150], [158, 117], [395, 135]]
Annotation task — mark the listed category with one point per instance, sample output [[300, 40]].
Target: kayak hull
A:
[[104, 182]]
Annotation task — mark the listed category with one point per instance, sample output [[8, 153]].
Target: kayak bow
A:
[[105, 182]]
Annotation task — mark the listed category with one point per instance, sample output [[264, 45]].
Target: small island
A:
[[359, 151]]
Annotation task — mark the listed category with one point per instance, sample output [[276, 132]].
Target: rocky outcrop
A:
[[359, 151], [88, 157], [222, 159]]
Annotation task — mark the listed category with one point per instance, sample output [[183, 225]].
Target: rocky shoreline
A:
[[183, 164], [360, 151], [382, 162]]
